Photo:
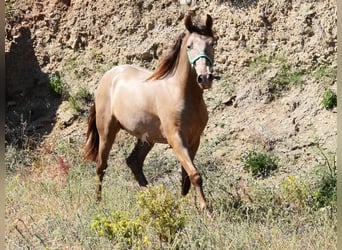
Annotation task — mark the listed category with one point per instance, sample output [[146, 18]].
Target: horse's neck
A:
[[185, 77]]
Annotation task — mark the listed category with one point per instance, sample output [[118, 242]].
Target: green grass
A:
[[327, 73], [50, 203], [79, 100], [259, 63], [77, 67], [329, 99], [288, 75], [259, 164], [56, 84]]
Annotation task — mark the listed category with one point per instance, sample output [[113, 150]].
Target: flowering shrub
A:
[[120, 227], [161, 214]]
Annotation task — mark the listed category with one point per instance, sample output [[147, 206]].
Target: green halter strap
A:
[[201, 55]]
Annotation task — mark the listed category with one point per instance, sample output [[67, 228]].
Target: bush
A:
[[329, 100], [80, 100], [259, 164], [295, 192], [325, 192], [56, 84], [119, 227], [287, 75], [160, 214]]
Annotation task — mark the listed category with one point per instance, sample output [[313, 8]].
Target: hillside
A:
[[274, 60], [251, 106]]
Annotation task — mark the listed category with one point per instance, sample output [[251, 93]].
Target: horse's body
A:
[[165, 106]]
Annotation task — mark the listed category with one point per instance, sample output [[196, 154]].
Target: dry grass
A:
[[51, 204]]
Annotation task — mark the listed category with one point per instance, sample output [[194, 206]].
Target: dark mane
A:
[[169, 62]]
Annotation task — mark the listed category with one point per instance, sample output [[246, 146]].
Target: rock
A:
[[65, 116]]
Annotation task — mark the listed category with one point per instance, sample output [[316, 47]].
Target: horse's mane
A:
[[169, 63]]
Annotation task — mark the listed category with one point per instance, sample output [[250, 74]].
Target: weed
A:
[[71, 63], [159, 210], [329, 100], [75, 105], [79, 100], [97, 56], [162, 212], [83, 72], [15, 158], [286, 76], [325, 193], [259, 164], [120, 227], [76, 66], [294, 191], [259, 63], [326, 73], [56, 84]]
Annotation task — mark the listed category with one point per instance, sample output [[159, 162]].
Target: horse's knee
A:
[[196, 179]]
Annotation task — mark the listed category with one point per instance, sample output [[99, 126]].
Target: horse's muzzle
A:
[[205, 80]]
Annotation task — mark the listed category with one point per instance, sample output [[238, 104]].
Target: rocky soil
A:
[[258, 42]]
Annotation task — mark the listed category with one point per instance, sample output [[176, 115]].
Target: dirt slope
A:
[[258, 44]]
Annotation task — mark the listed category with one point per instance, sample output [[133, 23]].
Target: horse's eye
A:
[[189, 46]]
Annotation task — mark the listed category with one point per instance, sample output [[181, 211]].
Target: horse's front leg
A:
[[185, 177], [185, 155]]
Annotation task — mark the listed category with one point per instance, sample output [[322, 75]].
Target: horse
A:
[[162, 106]]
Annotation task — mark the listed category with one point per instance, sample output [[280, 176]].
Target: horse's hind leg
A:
[[136, 160], [107, 135]]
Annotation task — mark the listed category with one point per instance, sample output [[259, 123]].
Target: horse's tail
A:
[[92, 142]]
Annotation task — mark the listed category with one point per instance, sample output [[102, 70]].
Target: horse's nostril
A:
[[210, 77], [200, 79]]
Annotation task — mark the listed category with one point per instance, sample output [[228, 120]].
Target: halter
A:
[[201, 55]]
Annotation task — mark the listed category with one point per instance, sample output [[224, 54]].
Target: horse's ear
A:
[[209, 22], [188, 23]]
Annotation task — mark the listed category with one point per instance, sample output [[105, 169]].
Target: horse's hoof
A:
[[208, 211], [98, 199]]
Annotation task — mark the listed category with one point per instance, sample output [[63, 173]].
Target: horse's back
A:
[[130, 73], [117, 79]]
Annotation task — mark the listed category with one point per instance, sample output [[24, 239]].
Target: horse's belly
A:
[[147, 129]]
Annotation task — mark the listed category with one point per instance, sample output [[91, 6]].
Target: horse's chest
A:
[[194, 118]]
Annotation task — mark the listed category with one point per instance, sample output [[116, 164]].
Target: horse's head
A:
[[200, 50]]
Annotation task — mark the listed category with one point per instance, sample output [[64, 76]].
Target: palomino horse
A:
[[165, 106]]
